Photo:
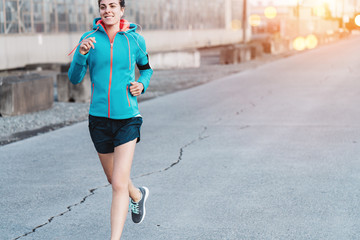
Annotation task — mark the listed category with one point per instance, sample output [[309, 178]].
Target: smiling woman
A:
[[112, 50], [111, 12]]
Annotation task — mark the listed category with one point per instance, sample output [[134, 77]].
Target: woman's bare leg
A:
[[107, 161], [134, 192], [123, 157], [117, 167]]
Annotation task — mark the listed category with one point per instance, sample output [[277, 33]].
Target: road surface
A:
[[269, 153]]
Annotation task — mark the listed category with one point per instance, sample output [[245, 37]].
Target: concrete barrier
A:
[[235, 54], [256, 50], [228, 55], [68, 92], [25, 94]]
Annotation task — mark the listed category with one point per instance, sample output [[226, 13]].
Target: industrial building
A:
[[43, 31]]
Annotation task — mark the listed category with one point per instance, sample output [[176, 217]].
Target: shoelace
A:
[[135, 207]]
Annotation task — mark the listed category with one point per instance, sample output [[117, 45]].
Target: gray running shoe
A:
[[138, 210]]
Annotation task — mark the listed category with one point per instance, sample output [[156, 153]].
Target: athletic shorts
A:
[[107, 133]]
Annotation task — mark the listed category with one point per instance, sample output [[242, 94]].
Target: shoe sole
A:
[[146, 197]]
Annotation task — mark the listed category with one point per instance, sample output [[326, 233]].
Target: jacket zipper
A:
[[111, 67]]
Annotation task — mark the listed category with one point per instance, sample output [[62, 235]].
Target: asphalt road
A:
[[269, 153]]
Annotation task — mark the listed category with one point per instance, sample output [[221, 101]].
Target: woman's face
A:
[[111, 12]]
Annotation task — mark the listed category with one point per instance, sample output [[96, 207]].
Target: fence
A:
[[57, 16]]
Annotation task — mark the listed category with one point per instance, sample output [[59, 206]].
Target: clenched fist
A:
[[136, 88]]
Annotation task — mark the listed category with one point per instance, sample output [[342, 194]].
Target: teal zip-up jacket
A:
[[112, 68]]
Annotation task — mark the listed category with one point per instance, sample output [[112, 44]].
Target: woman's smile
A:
[[111, 12]]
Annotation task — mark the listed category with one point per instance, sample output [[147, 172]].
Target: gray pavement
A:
[[269, 153]]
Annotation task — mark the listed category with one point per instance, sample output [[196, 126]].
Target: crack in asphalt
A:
[[199, 138], [69, 208], [92, 191]]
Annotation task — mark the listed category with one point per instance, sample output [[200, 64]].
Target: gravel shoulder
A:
[[163, 82]]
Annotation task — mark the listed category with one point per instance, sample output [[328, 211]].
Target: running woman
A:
[[111, 50]]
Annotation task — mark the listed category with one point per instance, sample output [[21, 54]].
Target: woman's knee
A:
[[119, 185]]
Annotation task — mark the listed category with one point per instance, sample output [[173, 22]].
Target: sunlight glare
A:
[[270, 12], [299, 44], [311, 41], [357, 20], [255, 20]]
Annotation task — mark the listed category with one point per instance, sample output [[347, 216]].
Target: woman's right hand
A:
[[86, 45]]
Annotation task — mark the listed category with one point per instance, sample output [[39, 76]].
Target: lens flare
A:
[[299, 44], [357, 20], [270, 12], [311, 41], [255, 20]]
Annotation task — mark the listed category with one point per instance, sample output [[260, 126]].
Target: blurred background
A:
[[37, 35], [43, 31]]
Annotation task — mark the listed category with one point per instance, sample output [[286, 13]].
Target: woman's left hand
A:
[[136, 88]]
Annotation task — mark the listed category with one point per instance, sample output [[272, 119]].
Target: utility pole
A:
[[244, 20]]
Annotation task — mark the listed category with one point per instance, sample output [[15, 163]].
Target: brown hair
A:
[[122, 3]]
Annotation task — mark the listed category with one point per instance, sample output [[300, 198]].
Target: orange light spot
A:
[[311, 41], [270, 12], [299, 44], [357, 20], [255, 20]]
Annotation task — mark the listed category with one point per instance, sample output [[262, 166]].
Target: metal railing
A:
[[55, 16]]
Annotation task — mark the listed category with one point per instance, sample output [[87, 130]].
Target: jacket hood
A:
[[125, 26], [98, 25]]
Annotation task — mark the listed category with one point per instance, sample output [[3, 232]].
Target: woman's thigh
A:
[[107, 162], [123, 157]]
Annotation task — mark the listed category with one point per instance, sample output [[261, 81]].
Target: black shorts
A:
[[107, 133]]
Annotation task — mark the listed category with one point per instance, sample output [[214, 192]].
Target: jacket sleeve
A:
[[142, 62], [78, 66]]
